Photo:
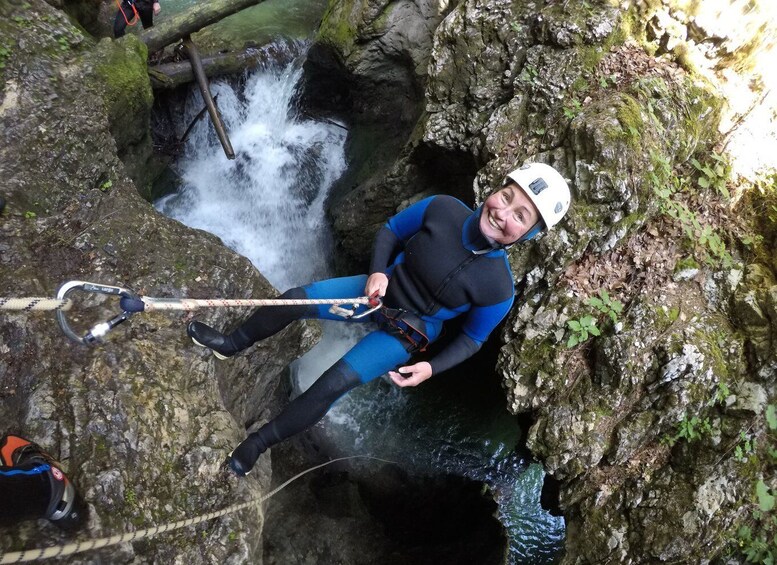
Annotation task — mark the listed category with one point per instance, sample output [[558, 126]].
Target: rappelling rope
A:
[[40, 304], [86, 545], [155, 304], [35, 303]]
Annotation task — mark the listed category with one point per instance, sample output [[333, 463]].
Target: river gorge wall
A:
[[620, 98]]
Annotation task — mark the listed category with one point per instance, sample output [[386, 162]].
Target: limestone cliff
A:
[[634, 103]]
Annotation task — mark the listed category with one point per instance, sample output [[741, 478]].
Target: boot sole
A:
[[216, 353], [233, 471]]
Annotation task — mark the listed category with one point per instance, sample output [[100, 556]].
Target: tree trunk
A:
[[192, 20], [171, 75]]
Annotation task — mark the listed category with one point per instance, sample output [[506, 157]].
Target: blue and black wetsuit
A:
[[439, 266]]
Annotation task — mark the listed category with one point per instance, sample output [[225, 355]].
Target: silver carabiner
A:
[[96, 334], [378, 305]]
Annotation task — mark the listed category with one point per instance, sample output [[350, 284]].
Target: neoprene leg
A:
[[300, 414], [146, 13], [119, 22], [268, 321]]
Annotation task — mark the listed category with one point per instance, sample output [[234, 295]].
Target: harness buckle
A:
[[94, 335]]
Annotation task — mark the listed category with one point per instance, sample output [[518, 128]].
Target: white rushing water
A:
[[268, 205]]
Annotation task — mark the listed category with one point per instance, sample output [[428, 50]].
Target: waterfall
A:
[[268, 205]]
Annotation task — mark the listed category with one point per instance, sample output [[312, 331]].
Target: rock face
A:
[[639, 425], [143, 422]]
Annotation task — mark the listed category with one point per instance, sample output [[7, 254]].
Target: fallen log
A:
[[172, 75], [173, 29]]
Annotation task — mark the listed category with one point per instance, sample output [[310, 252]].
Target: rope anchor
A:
[[131, 304]]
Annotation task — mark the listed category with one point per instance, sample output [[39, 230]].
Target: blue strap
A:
[[39, 470]]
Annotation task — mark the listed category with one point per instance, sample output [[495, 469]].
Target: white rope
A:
[[188, 304], [86, 545], [35, 303]]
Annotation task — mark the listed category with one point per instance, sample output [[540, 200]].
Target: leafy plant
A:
[[693, 429], [106, 185], [29, 214], [745, 449], [758, 540], [581, 329], [5, 52], [690, 430], [574, 108], [714, 175], [606, 305]]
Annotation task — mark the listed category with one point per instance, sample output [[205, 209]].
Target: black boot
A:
[[244, 457], [222, 345]]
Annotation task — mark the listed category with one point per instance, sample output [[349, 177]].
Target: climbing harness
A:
[[407, 326], [86, 545], [130, 304], [135, 16]]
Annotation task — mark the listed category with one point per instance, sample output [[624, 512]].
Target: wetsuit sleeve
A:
[[479, 324], [396, 232], [385, 244]]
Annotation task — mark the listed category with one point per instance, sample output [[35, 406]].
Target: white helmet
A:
[[546, 188]]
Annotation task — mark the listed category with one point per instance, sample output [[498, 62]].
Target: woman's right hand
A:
[[376, 282]]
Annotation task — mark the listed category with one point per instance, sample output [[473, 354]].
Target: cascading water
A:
[[268, 204]]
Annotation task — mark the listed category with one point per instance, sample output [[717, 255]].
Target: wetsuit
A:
[[126, 14], [439, 266]]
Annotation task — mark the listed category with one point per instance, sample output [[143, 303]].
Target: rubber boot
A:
[[245, 455], [203, 335]]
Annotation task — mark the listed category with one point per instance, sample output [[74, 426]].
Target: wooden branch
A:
[[203, 14], [191, 51]]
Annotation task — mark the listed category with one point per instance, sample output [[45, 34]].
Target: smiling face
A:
[[507, 215]]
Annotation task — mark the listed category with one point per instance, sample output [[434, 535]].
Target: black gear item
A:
[[205, 336], [32, 486], [300, 414]]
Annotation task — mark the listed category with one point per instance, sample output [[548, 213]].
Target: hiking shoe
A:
[[205, 336], [244, 457]]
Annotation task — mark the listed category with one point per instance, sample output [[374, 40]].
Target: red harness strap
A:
[[135, 17]]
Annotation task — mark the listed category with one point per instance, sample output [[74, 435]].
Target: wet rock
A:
[[142, 423]]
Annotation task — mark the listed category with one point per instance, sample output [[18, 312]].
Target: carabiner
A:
[[96, 334], [376, 304]]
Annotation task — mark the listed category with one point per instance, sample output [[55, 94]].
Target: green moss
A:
[[685, 264], [336, 28], [121, 67]]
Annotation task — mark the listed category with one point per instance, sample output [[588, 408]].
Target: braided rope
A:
[[86, 545], [188, 304], [35, 303]]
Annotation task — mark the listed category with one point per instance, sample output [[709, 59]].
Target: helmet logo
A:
[[538, 185], [57, 473], [558, 208]]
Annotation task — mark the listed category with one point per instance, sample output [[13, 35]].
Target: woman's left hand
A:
[[157, 8], [412, 375]]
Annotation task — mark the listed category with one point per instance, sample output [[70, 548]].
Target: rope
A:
[[188, 304], [35, 303], [40, 304], [86, 545]]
